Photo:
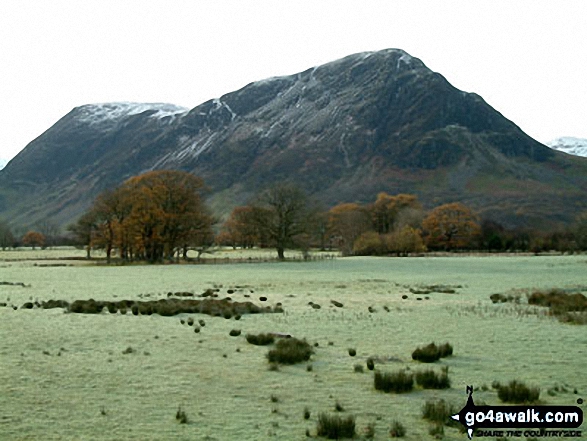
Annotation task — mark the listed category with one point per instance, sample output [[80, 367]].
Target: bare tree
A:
[[285, 214]]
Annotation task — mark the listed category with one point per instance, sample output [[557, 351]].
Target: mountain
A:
[[344, 131], [570, 145]]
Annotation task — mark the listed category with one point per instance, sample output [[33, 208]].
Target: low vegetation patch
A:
[[432, 352], [335, 426], [517, 392], [397, 382], [429, 379], [438, 411], [260, 339], [290, 351], [568, 306], [397, 430], [164, 307]]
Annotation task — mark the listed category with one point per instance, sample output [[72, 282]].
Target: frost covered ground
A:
[[66, 376]]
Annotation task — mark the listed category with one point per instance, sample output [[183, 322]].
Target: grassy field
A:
[[71, 376]]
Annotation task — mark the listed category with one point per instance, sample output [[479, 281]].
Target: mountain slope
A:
[[345, 131]]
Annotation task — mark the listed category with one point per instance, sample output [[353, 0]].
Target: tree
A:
[[404, 241], [284, 214], [386, 209], [241, 228], [7, 239], [33, 239], [151, 216], [580, 231], [451, 226], [346, 222], [83, 231]]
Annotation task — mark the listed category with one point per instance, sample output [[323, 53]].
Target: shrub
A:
[[369, 243], [398, 382], [352, 352], [290, 351], [370, 364], [234, 332], [335, 427], [260, 339], [397, 430], [517, 392], [429, 379], [338, 407], [306, 413], [359, 368]]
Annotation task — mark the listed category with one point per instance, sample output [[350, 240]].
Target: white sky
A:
[[526, 58]]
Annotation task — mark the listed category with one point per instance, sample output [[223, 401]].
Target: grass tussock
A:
[[431, 353], [397, 430], [335, 426], [517, 392], [260, 339], [396, 382], [290, 351], [429, 379], [438, 411]]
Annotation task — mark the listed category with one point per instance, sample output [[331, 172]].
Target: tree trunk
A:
[[280, 253]]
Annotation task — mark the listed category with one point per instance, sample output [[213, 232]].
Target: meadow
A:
[[68, 376]]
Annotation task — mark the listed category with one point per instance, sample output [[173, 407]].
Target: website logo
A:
[[516, 420]]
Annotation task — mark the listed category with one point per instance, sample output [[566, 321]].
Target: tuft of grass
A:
[[359, 368], [518, 392], [370, 364], [397, 382], [429, 379], [431, 353], [438, 411], [181, 416], [397, 430], [370, 431], [290, 351], [234, 332], [260, 339], [335, 427], [306, 413], [338, 407]]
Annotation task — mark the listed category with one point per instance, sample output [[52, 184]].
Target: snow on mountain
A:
[[3, 163], [570, 145], [110, 112]]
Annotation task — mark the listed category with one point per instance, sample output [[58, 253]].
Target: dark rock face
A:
[[344, 131]]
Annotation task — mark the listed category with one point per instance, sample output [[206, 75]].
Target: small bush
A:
[[260, 339], [370, 364], [335, 427], [352, 352], [429, 379], [338, 407], [290, 351], [359, 368], [397, 430], [306, 413], [517, 392], [398, 382], [234, 332]]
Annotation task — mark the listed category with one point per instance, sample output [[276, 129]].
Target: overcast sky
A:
[[526, 58]]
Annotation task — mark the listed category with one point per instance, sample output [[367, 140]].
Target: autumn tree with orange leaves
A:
[[33, 239], [346, 222], [152, 217], [451, 226]]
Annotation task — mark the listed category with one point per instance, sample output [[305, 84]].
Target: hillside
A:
[[346, 130]]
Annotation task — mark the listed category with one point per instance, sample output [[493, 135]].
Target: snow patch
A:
[[112, 112]]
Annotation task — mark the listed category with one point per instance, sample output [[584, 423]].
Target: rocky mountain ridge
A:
[[344, 131]]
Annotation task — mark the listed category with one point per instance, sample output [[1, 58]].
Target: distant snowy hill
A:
[[3, 163], [572, 146]]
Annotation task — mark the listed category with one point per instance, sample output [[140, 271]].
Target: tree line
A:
[[162, 215]]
